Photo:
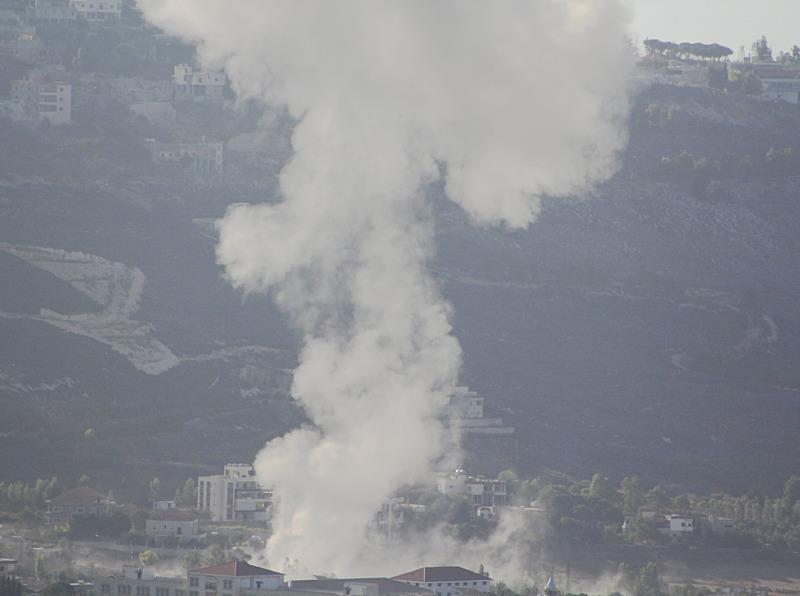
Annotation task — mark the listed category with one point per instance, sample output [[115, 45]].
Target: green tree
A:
[[761, 50], [88, 434], [148, 558], [155, 489]]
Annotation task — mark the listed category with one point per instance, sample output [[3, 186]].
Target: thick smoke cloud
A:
[[509, 100]]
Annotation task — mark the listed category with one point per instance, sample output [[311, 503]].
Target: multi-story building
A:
[[675, 525], [234, 495], [202, 157], [80, 500], [164, 526], [140, 581], [51, 100], [234, 578], [200, 86], [482, 492], [98, 11], [30, 48], [7, 567], [51, 14], [446, 581], [779, 83], [465, 413]]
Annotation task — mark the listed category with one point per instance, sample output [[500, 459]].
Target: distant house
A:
[[80, 500], [199, 86], [446, 581], [98, 11], [166, 525], [163, 505], [482, 492], [362, 586], [779, 83], [39, 99], [674, 525], [140, 581], [721, 525], [51, 14], [234, 578], [7, 567], [202, 157]]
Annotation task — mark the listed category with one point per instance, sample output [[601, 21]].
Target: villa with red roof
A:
[[446, 581], [234, 578]]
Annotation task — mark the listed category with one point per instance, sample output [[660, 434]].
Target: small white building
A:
[[234, 578], [234, 495], [49, 100], [779, 83], [465, 413], [200, 86], [446, 581], [175, 525], [7, 567], [99, 11], [80, 500], [675, 525], [163, 505], [482, 492], [140, 581], [203, 157]]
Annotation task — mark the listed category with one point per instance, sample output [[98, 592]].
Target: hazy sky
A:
[[730, 22]]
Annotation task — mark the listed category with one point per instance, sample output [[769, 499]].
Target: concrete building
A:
[[173, 526], [98, 11], [164, 505], [779, 83], [235, 495], [482, 492], [140, 581], [80, 500], [50, 100], [369, 586], [51, 14], [446, 581], [30, 48], [199, 86], [7, 567], [234, 578], [465, 413], [721, 525], [674, 525], [391, 518], [201, 158]]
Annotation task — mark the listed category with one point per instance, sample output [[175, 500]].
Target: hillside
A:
[[650, 329]]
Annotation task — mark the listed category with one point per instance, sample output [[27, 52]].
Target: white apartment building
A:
[[446, 581], [482, 492], [234, 578], [200, 86], [51, 100], [202, 157], [98, 11], [234, 495], [49, 14], [465, 413], [140, 581]]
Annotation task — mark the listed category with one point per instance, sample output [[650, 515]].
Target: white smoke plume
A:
[[510, 99]]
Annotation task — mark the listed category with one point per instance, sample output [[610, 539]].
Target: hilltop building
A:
[[203, 157], [779, 83], [482, 492], [80, 500], [50, 100], [98, 11], [234, 495], [198, 86], [51, 14], [465, 412], [446, 581]]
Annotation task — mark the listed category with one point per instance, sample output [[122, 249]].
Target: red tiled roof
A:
[[234, 568], [440, 574]]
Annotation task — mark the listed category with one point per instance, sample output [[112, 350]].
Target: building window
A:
[[194, 582], [105, 588], [227, 584]]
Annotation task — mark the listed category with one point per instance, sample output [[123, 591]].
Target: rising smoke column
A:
[[511, 99]]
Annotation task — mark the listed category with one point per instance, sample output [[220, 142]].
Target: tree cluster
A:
[[687, 51], [17, 496]]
